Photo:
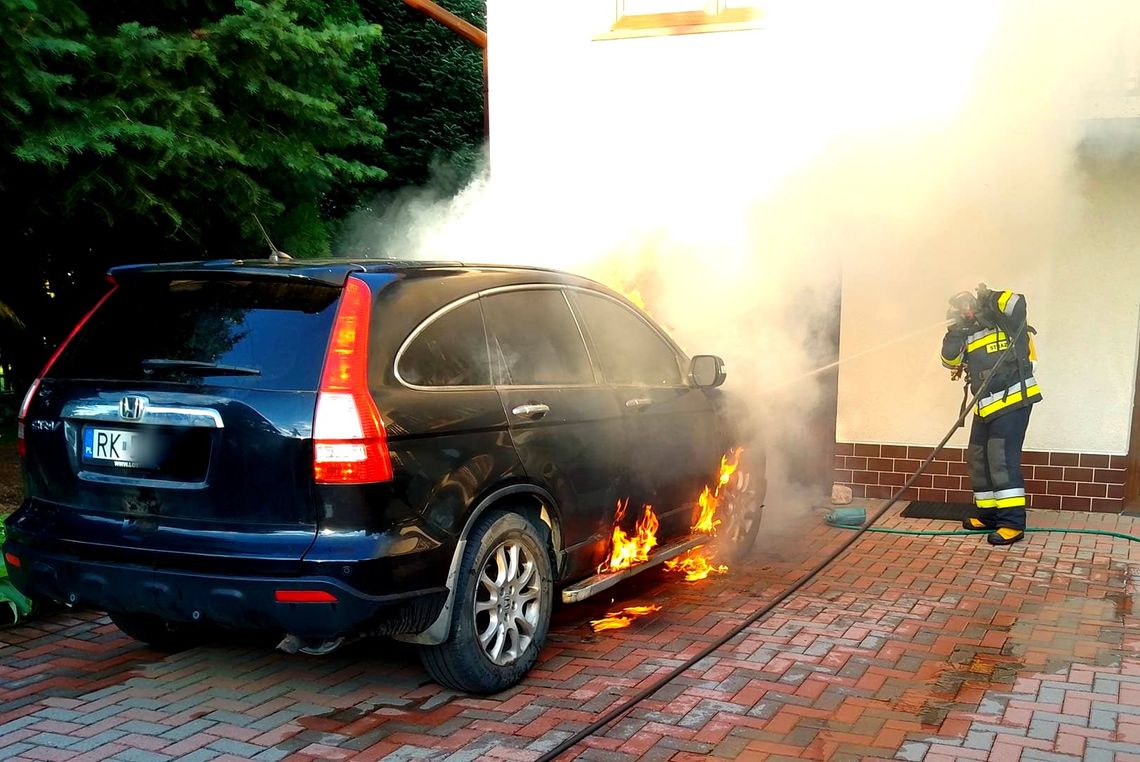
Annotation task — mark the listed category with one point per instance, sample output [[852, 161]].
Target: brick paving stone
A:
[[14, 750], [47, 753], [106, 751], [137, 755], [906, 648], [95, 742], [201, 755], [54, 740]]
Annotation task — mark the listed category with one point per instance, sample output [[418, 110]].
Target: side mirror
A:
[[707, 371]]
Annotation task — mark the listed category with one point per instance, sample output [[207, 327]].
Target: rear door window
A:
[[629, 350], [262, 334], [535, 340], [449, 351]]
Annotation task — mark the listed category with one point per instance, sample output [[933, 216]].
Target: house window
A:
[[640, 18]]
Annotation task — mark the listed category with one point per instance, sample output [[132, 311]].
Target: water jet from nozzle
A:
[[857, 355]]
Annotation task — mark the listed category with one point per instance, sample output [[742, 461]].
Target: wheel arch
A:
[[520, 497]]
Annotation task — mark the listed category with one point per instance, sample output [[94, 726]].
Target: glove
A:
[[960, 328], [987, 303]]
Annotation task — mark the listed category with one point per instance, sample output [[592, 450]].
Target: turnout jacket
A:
[[979, 344]]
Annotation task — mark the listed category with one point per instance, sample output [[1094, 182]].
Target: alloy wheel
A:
[[742, 511], [507, 602]]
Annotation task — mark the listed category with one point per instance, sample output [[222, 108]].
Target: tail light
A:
[[21, 447], [350, 445], [303, 596]]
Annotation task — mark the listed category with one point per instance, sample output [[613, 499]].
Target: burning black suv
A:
[[333, 449]]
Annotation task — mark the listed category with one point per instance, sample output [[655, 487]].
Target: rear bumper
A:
[[239, 602]]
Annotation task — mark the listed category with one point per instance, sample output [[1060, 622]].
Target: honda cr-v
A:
[[334, 449]]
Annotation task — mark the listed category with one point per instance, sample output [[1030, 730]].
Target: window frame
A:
[[679, 357], [716, 16], [427, 323], [595, 370], [162, 285]]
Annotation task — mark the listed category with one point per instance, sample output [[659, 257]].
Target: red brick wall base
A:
[[1057, 480]]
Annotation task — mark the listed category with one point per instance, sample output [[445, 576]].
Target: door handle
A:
[[639, 402], [533, 411]]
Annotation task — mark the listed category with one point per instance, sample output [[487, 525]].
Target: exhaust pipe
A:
[[292, 644]]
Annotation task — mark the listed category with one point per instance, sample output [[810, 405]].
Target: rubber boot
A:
[[977, 524], [1004, 536]]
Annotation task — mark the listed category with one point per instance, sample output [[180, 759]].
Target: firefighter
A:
[[986, 326]]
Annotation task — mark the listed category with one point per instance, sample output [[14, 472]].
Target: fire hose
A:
[[853, 518], [759, 615]]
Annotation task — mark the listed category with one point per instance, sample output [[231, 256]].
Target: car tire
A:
[[159, 634], [501, 614], [743, 506]]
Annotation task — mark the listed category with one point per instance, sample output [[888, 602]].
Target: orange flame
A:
[[708, 504], [634, 295], [626, 550], [694, 566], [621, 275], [710, 498], [728, 469], [616, 620]]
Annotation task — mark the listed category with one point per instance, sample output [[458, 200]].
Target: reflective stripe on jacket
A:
[[1013, 386], [1009, 398]]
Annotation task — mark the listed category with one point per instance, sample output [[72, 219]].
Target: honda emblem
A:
[[132, 407]]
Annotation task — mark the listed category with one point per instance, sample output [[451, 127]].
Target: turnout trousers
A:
[[994, 458]]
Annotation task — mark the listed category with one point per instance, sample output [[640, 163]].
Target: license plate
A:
[[114, 447]]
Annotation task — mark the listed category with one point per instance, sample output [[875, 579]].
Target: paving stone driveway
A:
[[908, 648]]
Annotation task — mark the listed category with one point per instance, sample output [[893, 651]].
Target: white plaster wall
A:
[[564, 102], [569, 109], [768, 98], [1084, 299]]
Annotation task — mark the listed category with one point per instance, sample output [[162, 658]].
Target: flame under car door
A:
[[676, 439], [568, 430]]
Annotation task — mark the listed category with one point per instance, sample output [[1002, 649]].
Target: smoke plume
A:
[[744, 182]]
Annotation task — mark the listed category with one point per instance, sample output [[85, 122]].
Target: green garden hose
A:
[[944, 532], [856, 517]]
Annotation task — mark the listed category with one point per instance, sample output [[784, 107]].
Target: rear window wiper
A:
[[198, 368]]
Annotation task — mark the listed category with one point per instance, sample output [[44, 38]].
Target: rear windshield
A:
[[261, 334]]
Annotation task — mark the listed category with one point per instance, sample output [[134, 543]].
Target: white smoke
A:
[[733, 179]]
